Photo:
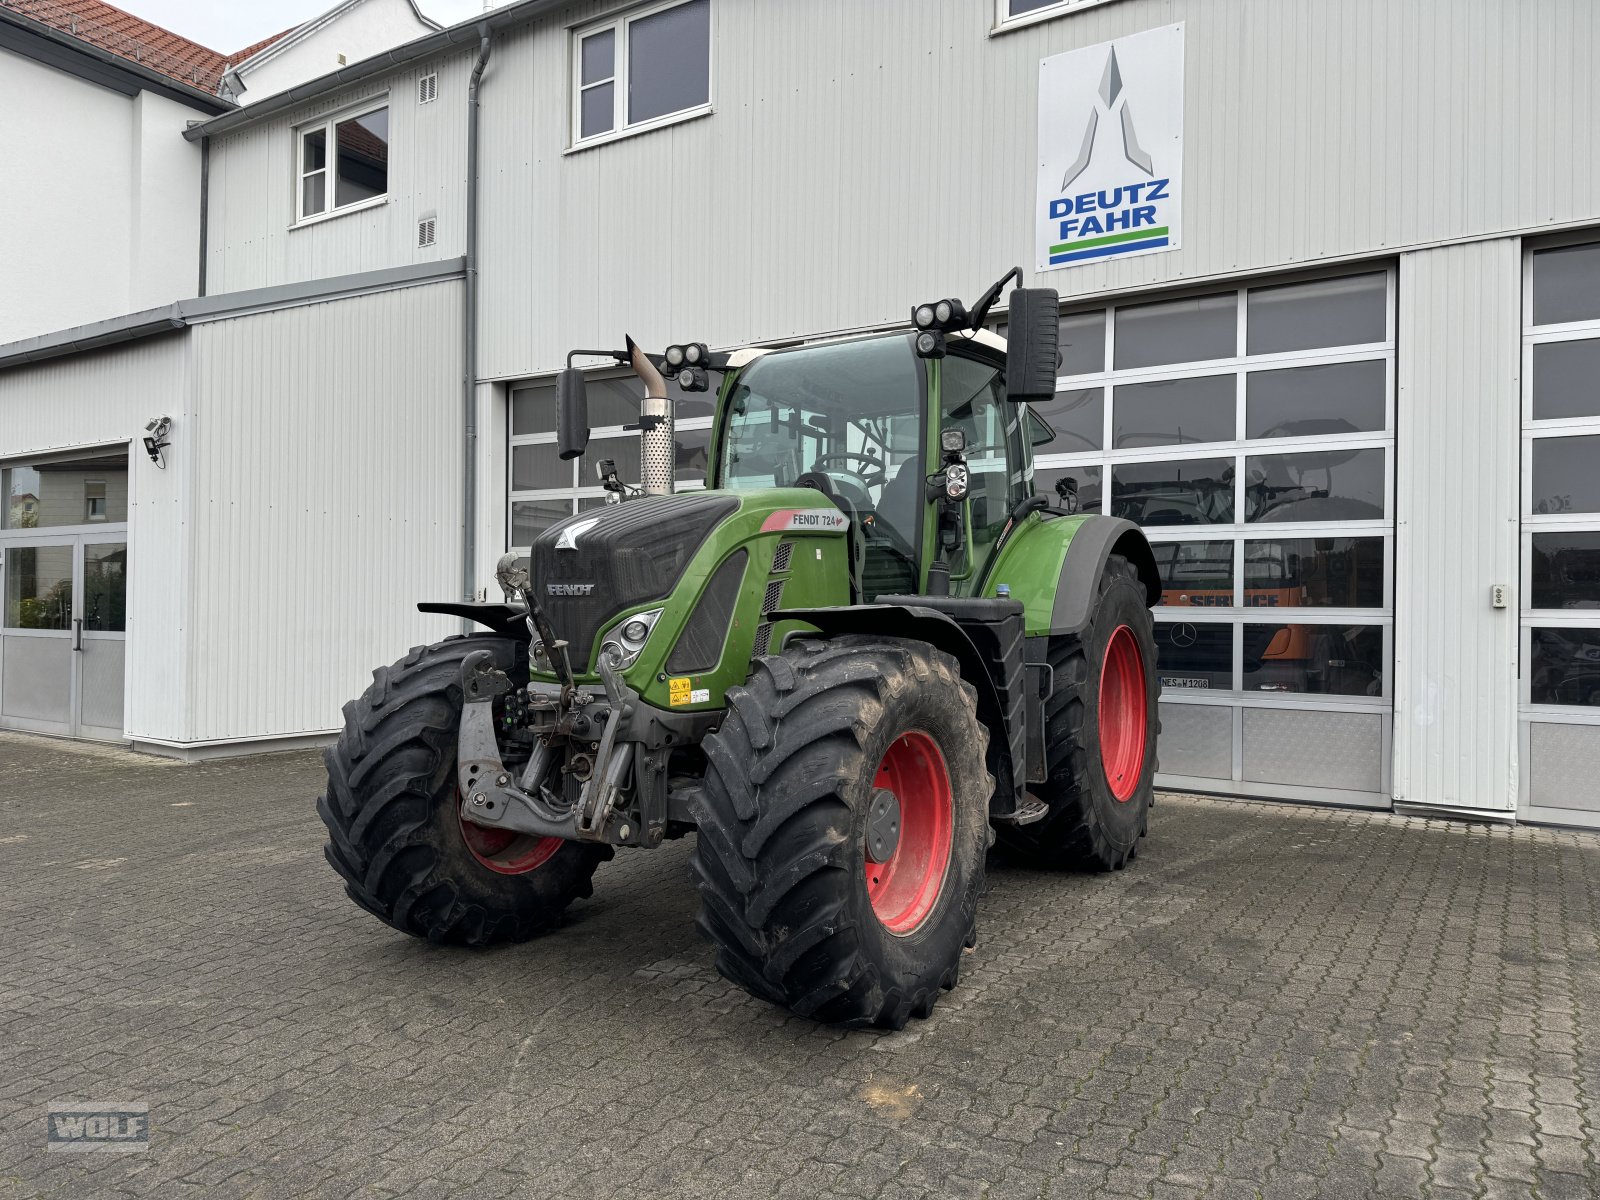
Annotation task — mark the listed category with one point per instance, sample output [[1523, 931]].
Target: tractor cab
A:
[[863, 421]]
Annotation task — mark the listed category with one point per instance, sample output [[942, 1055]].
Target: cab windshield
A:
[[846, 418]]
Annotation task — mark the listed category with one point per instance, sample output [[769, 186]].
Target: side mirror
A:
[[1032, 344], [572, 413]]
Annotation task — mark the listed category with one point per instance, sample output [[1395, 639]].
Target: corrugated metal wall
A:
[[102, 398], [863, 156], [253, 241], [894, 159], [1459, 405], [326, 503]]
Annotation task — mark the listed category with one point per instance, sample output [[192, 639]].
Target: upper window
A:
[[1025, 12], [344, 161], [641, 69]]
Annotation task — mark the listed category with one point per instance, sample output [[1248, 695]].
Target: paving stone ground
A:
[[1271, 1001]]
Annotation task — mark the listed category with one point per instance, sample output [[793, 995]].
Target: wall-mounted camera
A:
[[155, 440]]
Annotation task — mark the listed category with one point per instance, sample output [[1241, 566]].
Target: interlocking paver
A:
[[1272, 1000]]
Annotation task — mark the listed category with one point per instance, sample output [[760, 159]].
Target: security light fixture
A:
[[155, 439]]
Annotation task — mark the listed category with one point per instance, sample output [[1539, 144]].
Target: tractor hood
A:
[[596, 565]]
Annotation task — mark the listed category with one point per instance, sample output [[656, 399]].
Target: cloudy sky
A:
[[235, 25]]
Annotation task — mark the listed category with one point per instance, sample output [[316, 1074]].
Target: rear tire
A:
[[392, 812], [797, 911], [1096, 821]]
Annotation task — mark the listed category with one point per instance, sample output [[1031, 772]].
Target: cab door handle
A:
[[77, 633]]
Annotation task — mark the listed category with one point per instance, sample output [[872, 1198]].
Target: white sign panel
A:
[[1111, 150]]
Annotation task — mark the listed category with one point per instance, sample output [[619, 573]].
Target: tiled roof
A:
[[240, 56], [134, 38]]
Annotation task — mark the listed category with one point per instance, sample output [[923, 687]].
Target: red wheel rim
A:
[[505, 851], [1124, 723], [904, 887]]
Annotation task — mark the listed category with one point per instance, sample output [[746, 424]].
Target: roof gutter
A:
[[44, 43], [465, 34], [469, 333]]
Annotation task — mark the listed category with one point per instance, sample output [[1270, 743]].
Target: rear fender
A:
[[1095, 542], [1053, 564]]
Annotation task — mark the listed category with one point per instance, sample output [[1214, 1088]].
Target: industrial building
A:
[[1330, 281]]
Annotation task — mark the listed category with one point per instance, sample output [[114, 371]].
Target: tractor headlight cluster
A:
[[625, 642], [687, 362], [933, 321]]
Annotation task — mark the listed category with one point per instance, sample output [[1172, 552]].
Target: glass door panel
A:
[[36, 635]]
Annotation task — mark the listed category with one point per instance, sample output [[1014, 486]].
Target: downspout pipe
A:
[[205, 207], [469, 335]]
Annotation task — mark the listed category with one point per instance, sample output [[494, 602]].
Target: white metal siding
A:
[[327, 499], [103, 398], [894, 158], [253, 241], [1458, 453]]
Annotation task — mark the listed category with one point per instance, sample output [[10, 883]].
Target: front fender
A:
[[508, 620]]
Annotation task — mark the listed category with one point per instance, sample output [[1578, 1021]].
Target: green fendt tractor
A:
[[865, 645]]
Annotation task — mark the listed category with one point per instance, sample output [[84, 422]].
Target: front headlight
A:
[[625, 642]]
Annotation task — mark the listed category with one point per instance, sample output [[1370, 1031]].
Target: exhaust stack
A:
[[656, 450]]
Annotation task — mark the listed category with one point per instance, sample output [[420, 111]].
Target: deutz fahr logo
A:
[[1110, 149], [569, 589]]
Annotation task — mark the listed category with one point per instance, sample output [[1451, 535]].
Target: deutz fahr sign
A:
[[1110, 150]]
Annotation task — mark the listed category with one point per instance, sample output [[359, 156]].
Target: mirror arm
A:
[[986, 301], [620, 356]]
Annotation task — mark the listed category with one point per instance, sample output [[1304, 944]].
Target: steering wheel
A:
[[874, 476]]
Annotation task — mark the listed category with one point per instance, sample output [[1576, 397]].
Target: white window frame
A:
[[1004, 22], [573, 488], [620, 25], [327, 125], [1529, 617]]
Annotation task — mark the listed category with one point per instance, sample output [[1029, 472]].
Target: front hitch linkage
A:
[[495, 800]]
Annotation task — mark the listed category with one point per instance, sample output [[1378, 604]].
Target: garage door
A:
[[1560, 675], [1250, 432]]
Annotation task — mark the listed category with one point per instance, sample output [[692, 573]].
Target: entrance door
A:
[[63, 635], [63, 599]]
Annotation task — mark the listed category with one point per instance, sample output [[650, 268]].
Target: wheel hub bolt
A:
[[478, 798], [883, 826]]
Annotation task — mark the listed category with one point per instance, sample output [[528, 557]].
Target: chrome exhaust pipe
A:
[[656, 457]]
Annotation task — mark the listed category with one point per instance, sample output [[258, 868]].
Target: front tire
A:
[[395, 833], [842, 829], [1100, 734]]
